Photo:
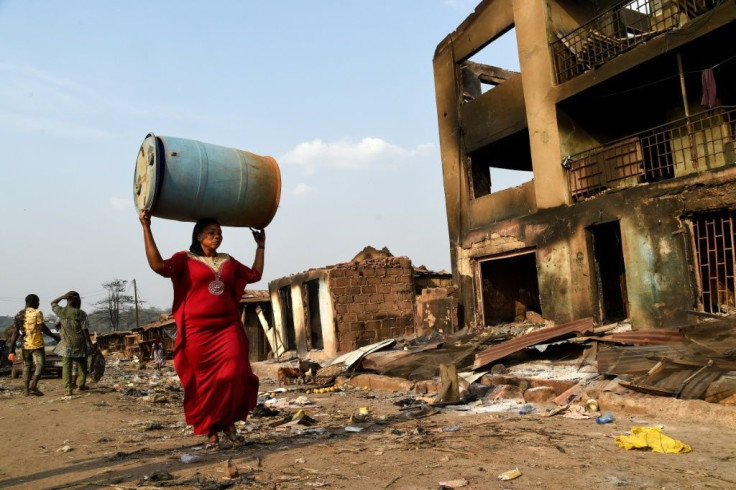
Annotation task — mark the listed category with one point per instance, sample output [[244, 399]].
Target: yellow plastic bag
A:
[[651, 437]]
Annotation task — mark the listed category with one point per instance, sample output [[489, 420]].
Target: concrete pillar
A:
[[537, 67]]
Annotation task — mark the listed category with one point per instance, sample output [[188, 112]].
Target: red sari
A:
[[211, 349]]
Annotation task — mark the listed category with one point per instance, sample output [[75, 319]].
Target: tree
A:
[[116, 303]]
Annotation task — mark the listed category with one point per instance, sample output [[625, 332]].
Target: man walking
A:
[[29, 324], [75, 340]]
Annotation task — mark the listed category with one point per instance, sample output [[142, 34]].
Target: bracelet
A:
[[262, 246]]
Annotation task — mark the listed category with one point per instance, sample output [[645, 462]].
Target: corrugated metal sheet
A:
[[656, 336], [674, 379], [504, 349]]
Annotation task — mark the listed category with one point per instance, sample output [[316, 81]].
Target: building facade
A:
[[622, 117]]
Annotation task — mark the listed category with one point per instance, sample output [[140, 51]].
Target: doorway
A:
[[509, 287], [610, 271], [287, 317], [313, 315]]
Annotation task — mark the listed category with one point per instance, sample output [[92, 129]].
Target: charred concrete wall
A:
[[373, 300], [437, 311]]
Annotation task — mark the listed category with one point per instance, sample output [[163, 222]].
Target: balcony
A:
[[619, 30], [686, 146]]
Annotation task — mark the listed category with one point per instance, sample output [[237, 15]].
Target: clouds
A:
[[368, 153], [365, 156]]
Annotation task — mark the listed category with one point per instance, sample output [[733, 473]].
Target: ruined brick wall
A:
[[373, 301], [438, 281]]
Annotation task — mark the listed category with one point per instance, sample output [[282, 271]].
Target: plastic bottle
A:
[[526, 409], [604, 419]]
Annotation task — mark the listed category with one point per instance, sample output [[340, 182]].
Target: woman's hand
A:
[[145, 217], [259, 235]]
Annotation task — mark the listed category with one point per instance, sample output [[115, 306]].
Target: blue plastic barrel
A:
[[188, 180]]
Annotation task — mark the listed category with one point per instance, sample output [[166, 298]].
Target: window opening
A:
[[501, 165], [509, 288], [714, 250], [491, 66]]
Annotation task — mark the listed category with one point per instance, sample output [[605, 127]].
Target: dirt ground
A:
[[129, 432]]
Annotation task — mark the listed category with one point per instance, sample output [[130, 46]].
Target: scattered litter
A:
[[303, 400], [604, 419], [315, 430], [651, 437], [510, 475], [556, 411], [190, 458], [592, 405], [417, 412], [452, 428], [459, 483], [526, 409], [302, 418], [353, 428], [576, 412], [64, 449], [156, 476], [300, 460]]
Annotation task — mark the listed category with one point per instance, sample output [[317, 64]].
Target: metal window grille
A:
[[701, 142], [617, 30], [714, 249]]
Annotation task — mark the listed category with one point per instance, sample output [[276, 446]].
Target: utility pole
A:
[[135, 294]]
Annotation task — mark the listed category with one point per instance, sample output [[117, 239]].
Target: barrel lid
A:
[[147, 173]]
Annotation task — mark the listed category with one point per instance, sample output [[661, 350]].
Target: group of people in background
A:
[[74, 342]]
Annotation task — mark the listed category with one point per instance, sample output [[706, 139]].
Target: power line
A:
[[676, 75]]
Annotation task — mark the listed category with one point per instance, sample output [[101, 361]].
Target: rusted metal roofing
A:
[[499, 351], [672, 378], [655, 336], [255, 296]]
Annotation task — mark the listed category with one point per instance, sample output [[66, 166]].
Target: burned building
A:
[[342, 307], [622, 117]]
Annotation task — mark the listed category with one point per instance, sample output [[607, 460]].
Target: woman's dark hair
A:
[[196, 247]]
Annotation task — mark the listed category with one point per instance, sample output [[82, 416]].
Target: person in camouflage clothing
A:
[[75, 340]]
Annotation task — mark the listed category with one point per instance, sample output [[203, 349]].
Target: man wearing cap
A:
[[75, 340]]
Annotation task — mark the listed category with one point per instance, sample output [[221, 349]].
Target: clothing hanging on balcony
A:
[[710, 98]]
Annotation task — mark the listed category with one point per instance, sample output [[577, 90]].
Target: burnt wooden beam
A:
[[490, 74]]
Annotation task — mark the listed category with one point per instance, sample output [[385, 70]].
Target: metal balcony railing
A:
[[618, 30], [700, 142]]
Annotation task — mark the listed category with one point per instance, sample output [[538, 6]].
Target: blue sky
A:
[[341, 93]]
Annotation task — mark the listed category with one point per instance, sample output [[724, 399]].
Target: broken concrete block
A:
[[539, 394], [506, 392]]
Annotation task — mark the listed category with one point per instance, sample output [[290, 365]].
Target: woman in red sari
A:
[[211, 349]]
